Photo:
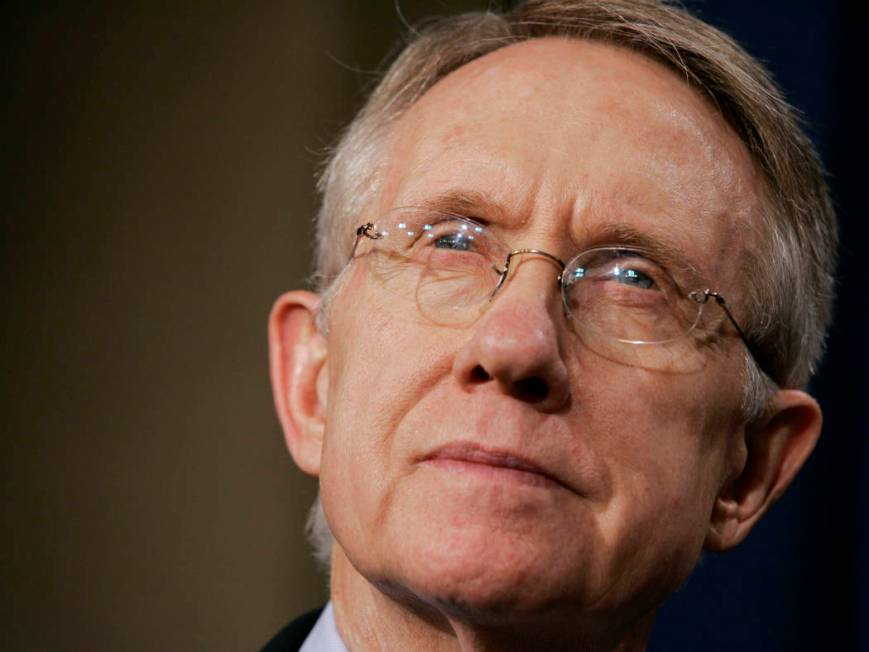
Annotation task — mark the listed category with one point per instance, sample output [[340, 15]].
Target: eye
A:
[[626, 269], [455, 235], [632, 276], [441, 240], [455, 241]]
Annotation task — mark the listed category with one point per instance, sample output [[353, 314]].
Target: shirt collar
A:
[[324, 637]]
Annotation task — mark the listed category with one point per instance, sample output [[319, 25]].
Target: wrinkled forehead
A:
[[583, 132]]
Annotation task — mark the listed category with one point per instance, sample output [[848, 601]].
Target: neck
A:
[[377, 618]]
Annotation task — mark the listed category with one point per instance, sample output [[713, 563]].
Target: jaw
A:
[[467, 590], [386, 615]]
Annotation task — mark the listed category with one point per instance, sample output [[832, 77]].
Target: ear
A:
[[775, 449], [300, 376]]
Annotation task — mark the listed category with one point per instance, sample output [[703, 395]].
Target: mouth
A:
[[492, 464]]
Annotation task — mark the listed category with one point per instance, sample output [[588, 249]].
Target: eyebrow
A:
[[485, 209], [466, 203]]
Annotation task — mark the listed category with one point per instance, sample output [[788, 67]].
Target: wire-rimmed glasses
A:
[[451, 266]]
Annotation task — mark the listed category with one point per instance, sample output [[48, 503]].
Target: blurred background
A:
[[157, 194]]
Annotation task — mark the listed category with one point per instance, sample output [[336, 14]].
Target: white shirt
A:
[[324, 637]]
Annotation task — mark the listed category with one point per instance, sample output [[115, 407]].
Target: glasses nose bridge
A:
[[539, 253]]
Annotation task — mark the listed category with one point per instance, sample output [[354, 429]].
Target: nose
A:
[[516, 345]]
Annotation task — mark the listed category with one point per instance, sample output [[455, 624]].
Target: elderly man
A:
[[575, 270]]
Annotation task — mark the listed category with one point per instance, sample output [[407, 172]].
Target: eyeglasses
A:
[[450, 267]]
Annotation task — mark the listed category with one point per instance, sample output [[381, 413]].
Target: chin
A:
[[484, 575]]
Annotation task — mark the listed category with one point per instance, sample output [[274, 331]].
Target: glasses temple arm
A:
[[752, 350]]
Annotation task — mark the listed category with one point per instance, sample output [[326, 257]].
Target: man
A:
[[576, 268]]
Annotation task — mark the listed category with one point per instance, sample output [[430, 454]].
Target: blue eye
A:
[[634, 277], [454, 241]]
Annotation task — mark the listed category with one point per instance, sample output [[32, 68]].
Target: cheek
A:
[[382, 363], [663, 440], [662, 445], [659, 420]]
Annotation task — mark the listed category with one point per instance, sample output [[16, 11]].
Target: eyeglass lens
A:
[[449, 268]]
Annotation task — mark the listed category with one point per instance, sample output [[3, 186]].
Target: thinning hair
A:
[[788, 269]]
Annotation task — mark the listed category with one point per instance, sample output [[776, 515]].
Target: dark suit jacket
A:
[[291, 637]]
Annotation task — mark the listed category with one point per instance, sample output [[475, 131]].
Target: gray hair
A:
[[789, 299]]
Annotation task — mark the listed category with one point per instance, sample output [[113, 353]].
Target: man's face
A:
[[556, 142]]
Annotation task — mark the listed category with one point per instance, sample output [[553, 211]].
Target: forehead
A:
[[565, 137]]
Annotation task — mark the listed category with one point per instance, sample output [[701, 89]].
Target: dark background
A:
[[157, 194]]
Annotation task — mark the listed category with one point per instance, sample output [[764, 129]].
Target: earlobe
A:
[[299, 376], [774, 451]]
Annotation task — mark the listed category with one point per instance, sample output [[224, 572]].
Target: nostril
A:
[[532, 390], [479, 375]]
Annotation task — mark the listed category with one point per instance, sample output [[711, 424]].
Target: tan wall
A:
[[157, 196]]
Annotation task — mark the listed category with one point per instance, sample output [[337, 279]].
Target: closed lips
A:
[[470, 454]]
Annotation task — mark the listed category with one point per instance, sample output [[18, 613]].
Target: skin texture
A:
[[641, 460]]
